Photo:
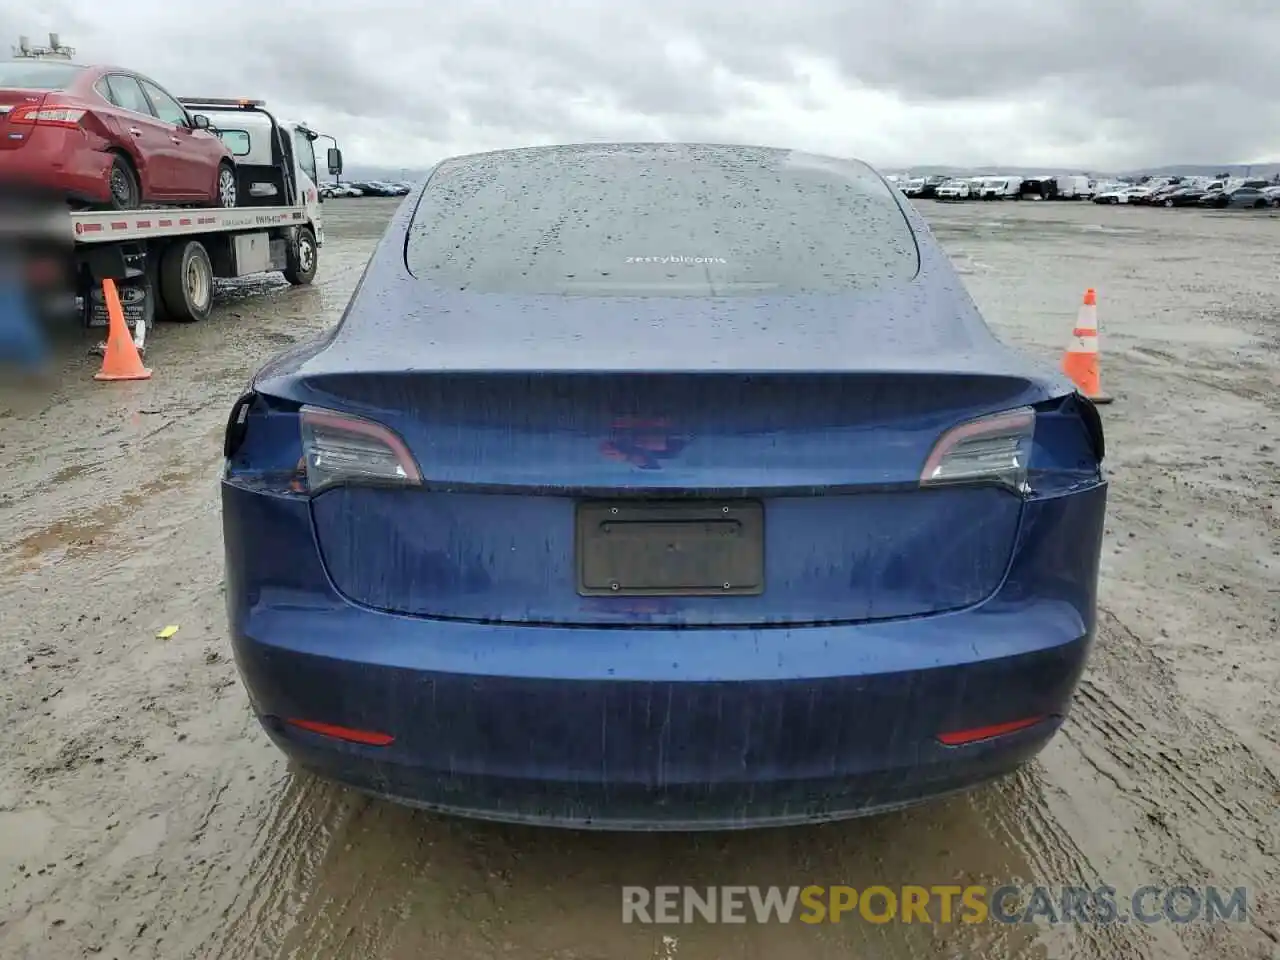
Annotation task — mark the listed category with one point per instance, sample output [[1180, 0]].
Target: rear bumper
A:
[[658, 728], [60, 163], [657, 755], [652, 728]]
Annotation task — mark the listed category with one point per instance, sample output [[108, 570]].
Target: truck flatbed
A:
[[112, 226]]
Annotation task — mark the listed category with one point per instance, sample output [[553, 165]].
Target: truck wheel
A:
[[186, 282], [159, 309], [163, 313], [303, 258]]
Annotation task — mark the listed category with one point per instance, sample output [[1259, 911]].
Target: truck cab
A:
[[276, 163]]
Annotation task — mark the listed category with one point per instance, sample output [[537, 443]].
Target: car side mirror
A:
[[334, 159], [200, 122]]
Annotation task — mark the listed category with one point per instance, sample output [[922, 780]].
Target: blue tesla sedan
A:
[[661, 487]]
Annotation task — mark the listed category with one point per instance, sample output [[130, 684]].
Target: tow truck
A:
[[164, 260]]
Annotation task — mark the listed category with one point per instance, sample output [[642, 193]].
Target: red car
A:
[[107, 137]]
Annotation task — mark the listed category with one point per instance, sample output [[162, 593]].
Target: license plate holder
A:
[[670, 548]]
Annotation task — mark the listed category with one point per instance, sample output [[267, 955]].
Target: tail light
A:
[[992, 449], [339, 449], [48, 116]]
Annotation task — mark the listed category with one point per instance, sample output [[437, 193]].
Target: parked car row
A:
[[1177, 192], [365, 188], [1152, 191], [1070, 187]]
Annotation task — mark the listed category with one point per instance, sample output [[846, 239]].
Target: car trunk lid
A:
[[805, 486]]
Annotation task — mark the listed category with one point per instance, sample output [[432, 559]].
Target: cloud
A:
[[1076, 83]]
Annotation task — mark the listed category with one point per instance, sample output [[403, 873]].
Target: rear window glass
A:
[[37, 75], [658, 220]]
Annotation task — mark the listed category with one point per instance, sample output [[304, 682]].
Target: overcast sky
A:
[[1110, 84]]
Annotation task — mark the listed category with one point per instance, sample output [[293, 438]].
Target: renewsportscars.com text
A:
[[934, 904]]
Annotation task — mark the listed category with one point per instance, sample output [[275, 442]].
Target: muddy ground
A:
[[143, 814]]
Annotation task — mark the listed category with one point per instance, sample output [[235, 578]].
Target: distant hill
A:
[[1258, 170], [946, 171]]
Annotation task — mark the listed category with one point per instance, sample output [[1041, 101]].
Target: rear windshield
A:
[[37, 75], [658, 220]]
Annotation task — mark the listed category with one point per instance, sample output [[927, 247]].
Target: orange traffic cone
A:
[[1080, 362], [121, 360]]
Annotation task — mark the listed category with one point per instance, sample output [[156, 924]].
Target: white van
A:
[[1000, 188]]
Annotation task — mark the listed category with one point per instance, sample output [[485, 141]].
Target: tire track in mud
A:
[[1104, 723], [286, 853], [1208, 803], [384, 881], [1055, 859]]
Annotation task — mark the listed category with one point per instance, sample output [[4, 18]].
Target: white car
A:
[[1120, 195], [334, 190], [954, 190]]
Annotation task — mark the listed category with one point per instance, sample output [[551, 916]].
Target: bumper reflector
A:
[[958, 738], [369, 738]]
